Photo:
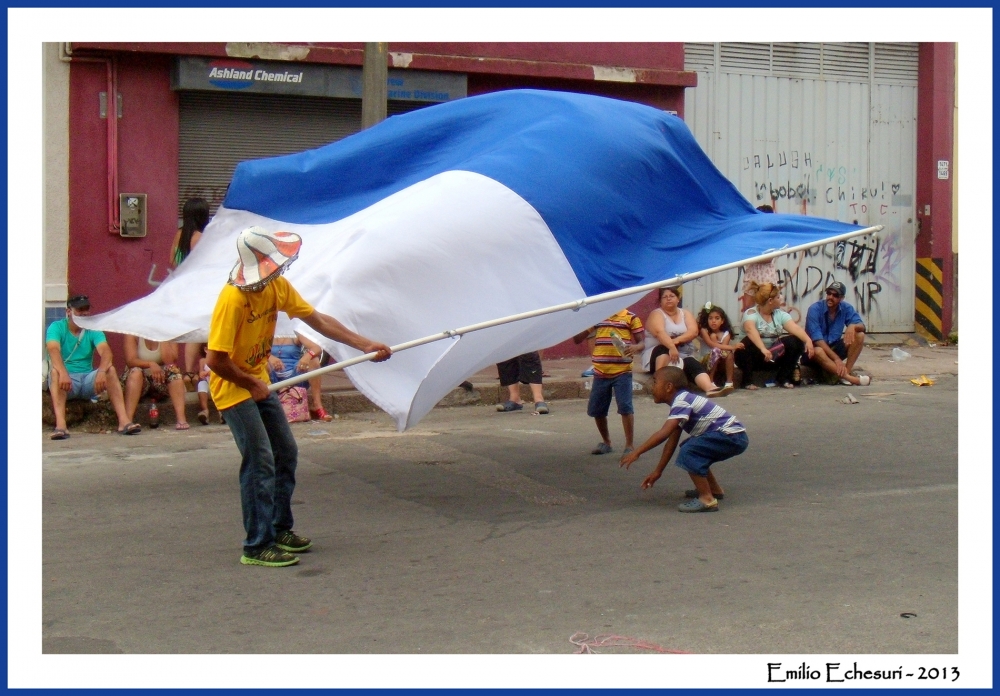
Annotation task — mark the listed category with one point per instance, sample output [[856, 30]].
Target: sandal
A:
[[203, 417], [131, 429], [182, 426], [751, 387], [722, 391], [697, 506], [541, 407], [602, 448], [59, 434], [508, 406], [320, 414]]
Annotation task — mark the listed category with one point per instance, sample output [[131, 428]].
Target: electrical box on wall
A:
[[132, 213]]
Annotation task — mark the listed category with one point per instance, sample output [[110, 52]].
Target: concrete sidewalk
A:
[[562, 380]]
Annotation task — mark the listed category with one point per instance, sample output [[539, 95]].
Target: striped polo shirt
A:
[[608, 362], [698, 415]]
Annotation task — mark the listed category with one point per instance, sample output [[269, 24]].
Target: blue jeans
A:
[[267, 472]]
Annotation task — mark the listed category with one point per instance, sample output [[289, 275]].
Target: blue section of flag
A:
[[625, 189]]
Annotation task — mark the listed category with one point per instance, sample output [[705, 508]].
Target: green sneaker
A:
[[272, 556], [290, 541]]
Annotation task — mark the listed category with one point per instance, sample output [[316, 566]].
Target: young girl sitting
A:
[[716, 333]]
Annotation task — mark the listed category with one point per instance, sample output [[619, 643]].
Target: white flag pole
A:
[[575, 305]]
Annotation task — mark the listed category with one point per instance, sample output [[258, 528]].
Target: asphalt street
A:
[[483, 532]]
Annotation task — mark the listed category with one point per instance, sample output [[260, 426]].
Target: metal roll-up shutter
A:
[[218, 130]]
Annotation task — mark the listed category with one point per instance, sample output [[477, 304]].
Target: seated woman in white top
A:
[[151, 369], [670, 331]]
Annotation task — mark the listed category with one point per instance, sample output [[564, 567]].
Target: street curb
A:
[[96, 417]]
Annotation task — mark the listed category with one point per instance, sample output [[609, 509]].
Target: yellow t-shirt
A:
[[243, 326]]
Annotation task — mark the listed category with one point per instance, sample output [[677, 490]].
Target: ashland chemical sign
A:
[[307, 79]]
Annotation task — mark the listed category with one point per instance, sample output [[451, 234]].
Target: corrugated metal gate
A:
[[218, 130], [817, 129]]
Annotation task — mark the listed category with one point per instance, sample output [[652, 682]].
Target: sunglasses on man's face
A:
[[832, 294]]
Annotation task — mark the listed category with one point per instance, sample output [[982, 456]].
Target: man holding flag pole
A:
[[239, 343]]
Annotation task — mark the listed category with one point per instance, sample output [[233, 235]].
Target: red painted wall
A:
[[658, 96], [649, 55], [935, 133], [111, 269]]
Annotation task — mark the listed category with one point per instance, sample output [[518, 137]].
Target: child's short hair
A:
[[674, 375], [707, 310]]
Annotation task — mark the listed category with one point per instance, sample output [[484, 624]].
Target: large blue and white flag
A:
[[468, 211]]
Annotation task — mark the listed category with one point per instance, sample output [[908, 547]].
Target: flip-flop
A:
[[131, 429], [59, 434], [182, 426], [751, 387], [722, 391], [508, 406], [692, 493], [697, 506]]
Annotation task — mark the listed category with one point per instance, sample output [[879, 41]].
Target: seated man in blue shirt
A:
[[838, 334]]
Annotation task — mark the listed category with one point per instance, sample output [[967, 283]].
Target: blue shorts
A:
[[600, 395], [700, 452], [83, 385]]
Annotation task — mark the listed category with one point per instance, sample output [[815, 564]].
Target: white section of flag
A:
[[453, 250]]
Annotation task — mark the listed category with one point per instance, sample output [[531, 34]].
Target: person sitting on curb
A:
[[523, 369], [838, 333], [617, 340], [72, 375], [772, 336], [151, 369], [291, 356], [715, 435]]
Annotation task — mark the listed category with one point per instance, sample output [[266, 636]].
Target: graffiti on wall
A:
[[772, 184], [870, 265], [790, 175]]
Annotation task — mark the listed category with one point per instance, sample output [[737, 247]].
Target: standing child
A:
[[716, 332], [715, 435], [616, 340]]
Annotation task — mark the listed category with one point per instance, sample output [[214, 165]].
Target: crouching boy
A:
[[715, 435]]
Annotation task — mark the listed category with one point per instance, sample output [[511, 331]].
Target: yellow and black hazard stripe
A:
[[929, 298]]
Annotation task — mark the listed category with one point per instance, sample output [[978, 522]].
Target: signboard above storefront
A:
[[309, 79]]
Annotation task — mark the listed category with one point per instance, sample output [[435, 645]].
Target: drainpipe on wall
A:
[[111, 63]]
